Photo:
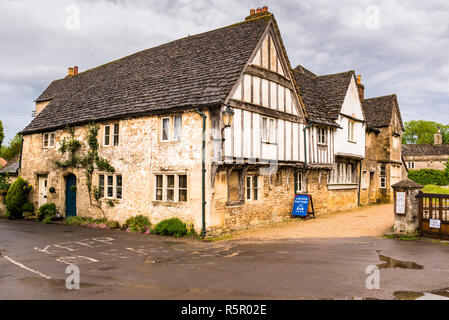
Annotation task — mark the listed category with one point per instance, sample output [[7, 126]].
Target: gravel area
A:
[[369, 221]]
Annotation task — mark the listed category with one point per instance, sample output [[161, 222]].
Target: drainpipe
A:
[[20, 158], [203, 175], [360, 182]]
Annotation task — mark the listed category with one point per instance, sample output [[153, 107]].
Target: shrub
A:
[[171, 227], [46, 210], [74, 221], [138, 224], [429, 176], [17, 196], [113, 224], [47, 219], [4, 185], [28, 207]]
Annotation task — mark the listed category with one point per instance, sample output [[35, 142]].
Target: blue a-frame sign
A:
[[301, 206]]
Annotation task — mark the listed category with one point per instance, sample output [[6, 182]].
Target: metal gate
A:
[[434, 215]]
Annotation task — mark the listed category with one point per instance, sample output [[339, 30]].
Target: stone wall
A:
[[138, 157], [427, 162]]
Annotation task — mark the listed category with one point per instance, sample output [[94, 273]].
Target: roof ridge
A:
[[384, 96]]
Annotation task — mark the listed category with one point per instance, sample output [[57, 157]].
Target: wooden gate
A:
[[434, 215]]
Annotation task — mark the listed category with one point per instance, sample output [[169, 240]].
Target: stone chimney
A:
[[438, 138], [360, 88], [256, 13], [71, 72]]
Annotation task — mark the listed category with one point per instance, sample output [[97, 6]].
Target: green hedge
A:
[[429, 176], [171, 227], [16, 197]]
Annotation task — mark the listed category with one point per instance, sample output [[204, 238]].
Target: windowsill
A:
[[342, 186], [168, 203], [235, 203]]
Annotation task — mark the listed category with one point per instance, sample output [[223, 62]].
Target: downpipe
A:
[[203, 174]]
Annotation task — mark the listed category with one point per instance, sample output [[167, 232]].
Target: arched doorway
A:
[[70, 195]]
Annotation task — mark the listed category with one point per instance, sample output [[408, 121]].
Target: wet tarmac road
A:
[[119, 265]]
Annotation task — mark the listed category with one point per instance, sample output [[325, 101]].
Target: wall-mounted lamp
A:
[[227, 115]]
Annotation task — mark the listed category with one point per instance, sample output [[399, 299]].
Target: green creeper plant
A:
[[88, 161]]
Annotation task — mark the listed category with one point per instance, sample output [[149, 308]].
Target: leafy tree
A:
[[9, 152], [2, 134], [422, 131]]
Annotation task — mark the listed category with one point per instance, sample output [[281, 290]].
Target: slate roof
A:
[[407, 183], [12, 167], [195, 71], [323, 96], [379, 110], [425, 150]]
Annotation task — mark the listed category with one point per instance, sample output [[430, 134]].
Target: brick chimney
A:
[[75, 70], [360, 88], [256, 13], [438, 138]]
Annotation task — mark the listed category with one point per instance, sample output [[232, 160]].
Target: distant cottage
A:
[[427, 156], [270, 131]]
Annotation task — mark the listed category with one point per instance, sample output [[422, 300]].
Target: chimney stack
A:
[[438, 138], [360, 88], [75, 70], [255, 13], [70, 73]]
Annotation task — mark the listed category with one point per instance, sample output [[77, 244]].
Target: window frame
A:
[[299, 187], [175, 137], [322, 136], [384, 180], [268, 132], [168, 129], [254, 187], [104, 187], [174, 134], [176, 187], [364, 184], [351, 130], [49, 136]]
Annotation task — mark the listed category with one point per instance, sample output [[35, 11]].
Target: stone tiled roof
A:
[[195, 71], [323, 96], [379, 110], [407, 183], [12, 167], [425, 150]]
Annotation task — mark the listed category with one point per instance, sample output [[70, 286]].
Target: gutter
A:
[[20, 157], [203, 174], [360, 183]]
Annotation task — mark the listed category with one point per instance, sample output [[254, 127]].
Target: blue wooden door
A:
[[70, 196]]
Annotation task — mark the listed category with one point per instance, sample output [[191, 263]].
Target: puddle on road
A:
[[396, 264], [412, 295]]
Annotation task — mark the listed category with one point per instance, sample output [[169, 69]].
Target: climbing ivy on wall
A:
[[88, 161]]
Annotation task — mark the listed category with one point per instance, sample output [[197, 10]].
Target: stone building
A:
[[335, 138], [152, 108], [216, 129], [383, 165], [427, 156]]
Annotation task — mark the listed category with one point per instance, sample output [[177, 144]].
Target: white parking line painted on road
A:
[[26, 268]]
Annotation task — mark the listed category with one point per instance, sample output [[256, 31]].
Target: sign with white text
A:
[[433, 223], [400, 202]]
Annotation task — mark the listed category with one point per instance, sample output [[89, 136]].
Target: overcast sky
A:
[[398, 47]]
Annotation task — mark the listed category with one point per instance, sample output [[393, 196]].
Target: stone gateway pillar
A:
[[406, 206]]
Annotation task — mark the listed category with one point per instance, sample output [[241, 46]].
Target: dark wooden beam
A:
[[269, 75], [264, 111]]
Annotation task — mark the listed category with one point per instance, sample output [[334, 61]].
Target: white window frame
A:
[[253, 188], [364, 184], [114, 131], [48, 137], [168, 128], [351, 130], [268, 130], [104, 193], [384, 174], [176, 186], [299, 183], [411, 165], [177, 136], [322, 135], [383, 181]]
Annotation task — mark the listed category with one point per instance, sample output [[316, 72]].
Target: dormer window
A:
[[111, 135], [48, 140]]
